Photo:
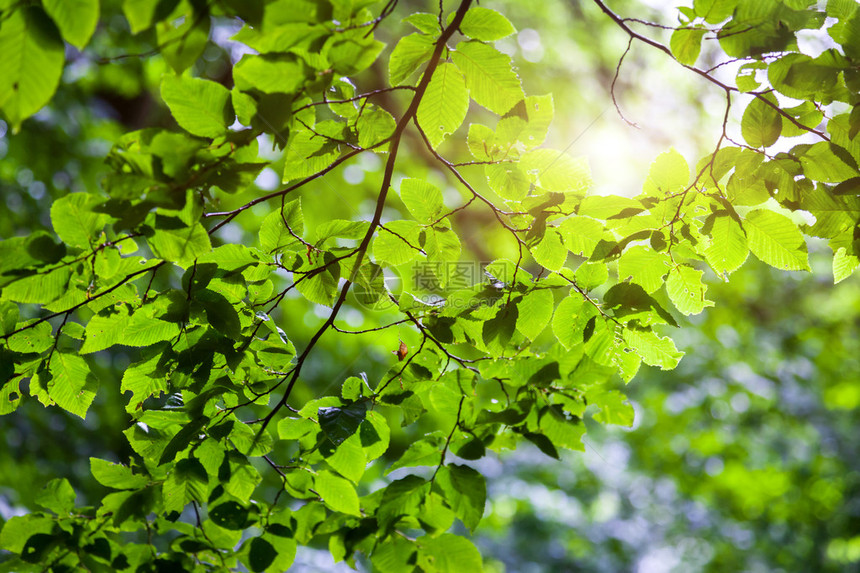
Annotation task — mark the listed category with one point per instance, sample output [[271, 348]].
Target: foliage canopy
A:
[[573, 290]]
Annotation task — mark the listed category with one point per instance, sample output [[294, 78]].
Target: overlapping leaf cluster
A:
[[594, 285]]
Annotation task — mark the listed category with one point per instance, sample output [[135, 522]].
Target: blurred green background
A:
[[745, 458]]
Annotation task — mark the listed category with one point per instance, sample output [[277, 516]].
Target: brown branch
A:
[[380, 204], [654, 44]]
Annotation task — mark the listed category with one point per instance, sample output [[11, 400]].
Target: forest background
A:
[[741, 458]]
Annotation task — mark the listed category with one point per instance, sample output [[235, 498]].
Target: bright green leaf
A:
[[337, 493], [686, 45], [686, 291], [490, 78], [76, 19], [444, 105], [200, 107], [486, 25], [761, 124], [535, 312], [72, 386], [423, 199], [32, 62], [777, 241], [116, 476]]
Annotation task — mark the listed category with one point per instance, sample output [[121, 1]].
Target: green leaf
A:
[[32, 62], [448, 553], [508, 181], [777, 241], [72, 385], [581, 234], [374, 126], [375, 435], [229, 515], [668, 174], [423, 199], [643, 266], [180, 246], [409, 53], [347, 458], [103, 331], [143, 380], [565, 322], [341, 228], [143, 330], [401, 499], [686, 291], [609, 207], [561, 430], [187, 482], [434, 515], [556, 171], [337, 493], [251, 442], [188, 434], [424, 452], [444, 105], [800, 76], [58, 496], [19, 528], [200, 107], [295, 428], [714, 11], [340, 423], [631, 300], [828, 163], [261, 554], [746, 76], [614, 408], [653, 349], [486, 25], [39, 288], [275, 230], [537, 111], [397, 245], [535, 312], [283, 544], [116, 476], [727, 249], [590, 275], [550, 253], [543, 444], [393, 555], [141, 14], [35, 339], [352, 51], [275, 73], [465, 491], [76, 19], [490, 78], [183, 39], [761, 124], [75, 221], [425, 22], [10, 389], [686, 45], [321, 288], [844, 265]]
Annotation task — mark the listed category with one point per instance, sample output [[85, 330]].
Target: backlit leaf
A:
[[200, 107], [489, 76], [444, 105], [32, 62], [777, 241]]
